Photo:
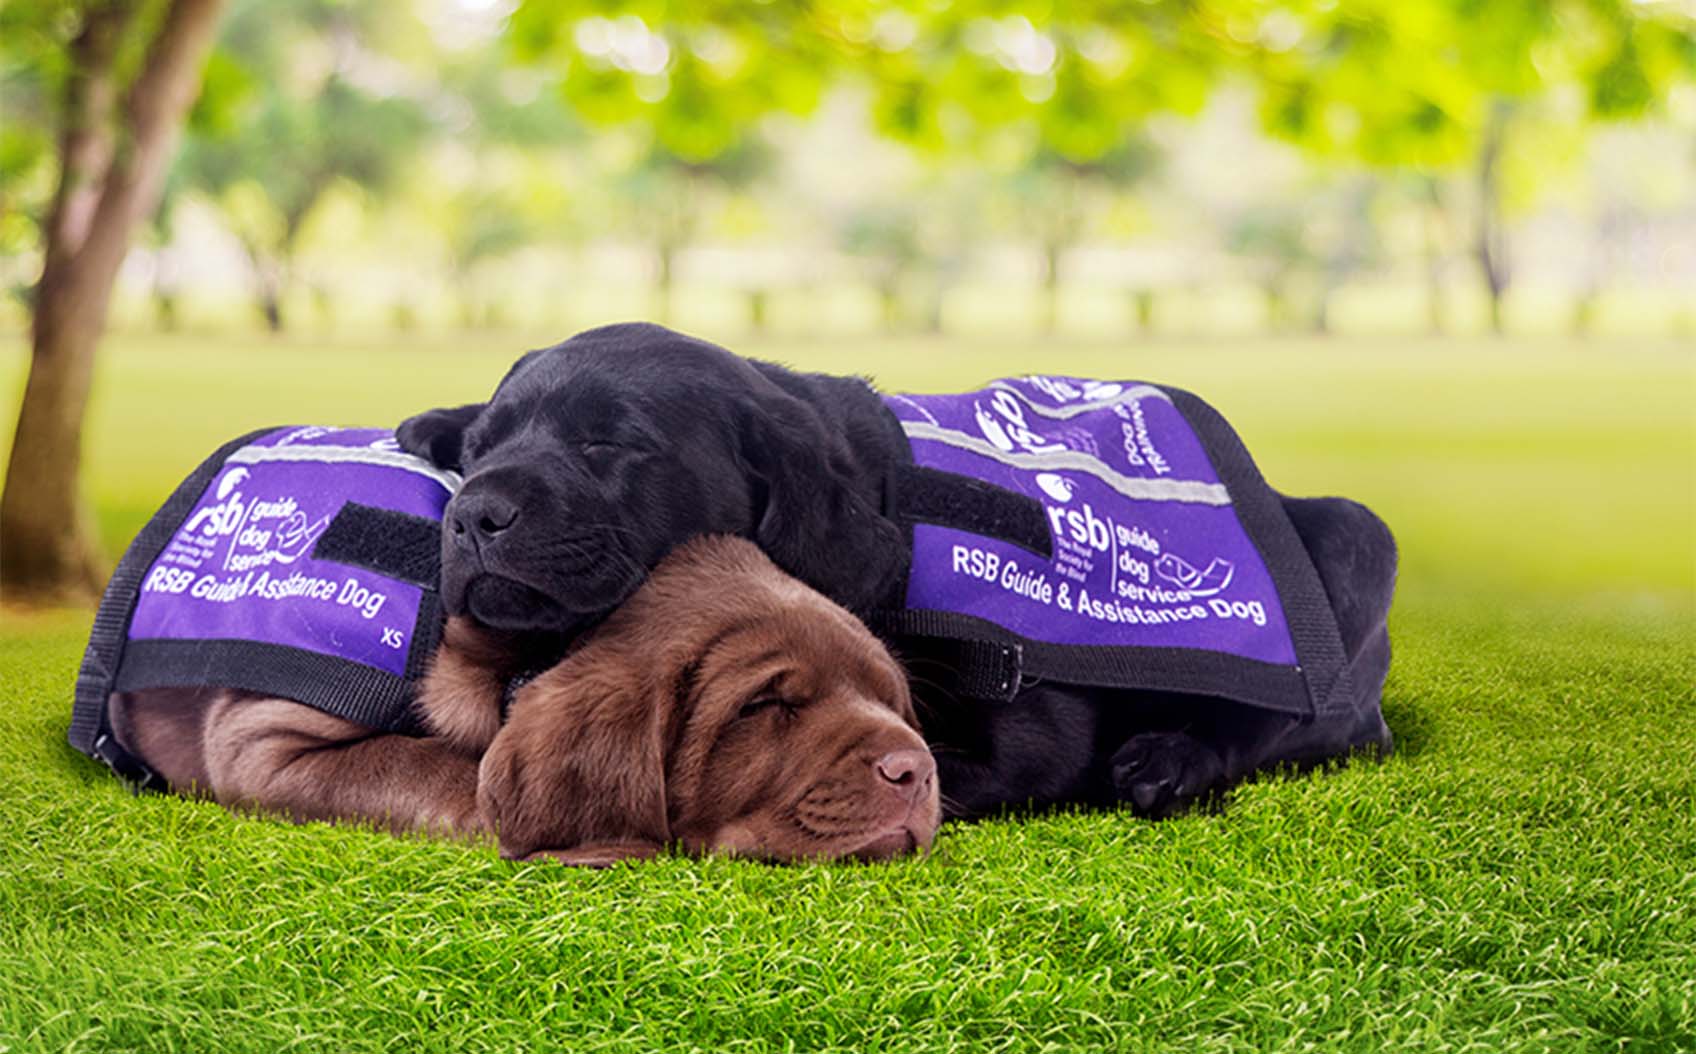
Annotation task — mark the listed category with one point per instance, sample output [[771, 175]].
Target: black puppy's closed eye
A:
[[600, 455]]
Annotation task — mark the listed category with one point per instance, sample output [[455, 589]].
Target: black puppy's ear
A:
[[815, 523], [436, 435], [577, 773]]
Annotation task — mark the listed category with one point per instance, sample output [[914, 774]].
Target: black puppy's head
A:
[[598, 456]]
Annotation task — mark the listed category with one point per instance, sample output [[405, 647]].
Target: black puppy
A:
[[597, 456]]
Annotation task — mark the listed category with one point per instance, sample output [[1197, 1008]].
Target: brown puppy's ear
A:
[[813, 523], [577, 773], [436, 435]]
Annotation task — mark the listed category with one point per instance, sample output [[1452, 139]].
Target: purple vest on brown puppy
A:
[[295, 562]]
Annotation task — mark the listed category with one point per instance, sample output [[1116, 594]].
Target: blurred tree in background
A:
[[1059, 109], [298, 99], [1446, 88], [694, 82], [120, 78], [301, 104], [497, 173], [502, 157]]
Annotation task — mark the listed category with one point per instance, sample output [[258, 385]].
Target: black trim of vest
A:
[[1316, 686], [1312, 622], [1124, 666], [351, 690]]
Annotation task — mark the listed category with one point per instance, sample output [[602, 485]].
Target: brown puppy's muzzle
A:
[[878, 801], [908, 773], [908, 777]]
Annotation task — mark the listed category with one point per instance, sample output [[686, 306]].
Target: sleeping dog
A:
[[596, 457], [724, 707]]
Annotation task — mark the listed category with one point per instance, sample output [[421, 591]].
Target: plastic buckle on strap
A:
[[129, 768], [988, 670]]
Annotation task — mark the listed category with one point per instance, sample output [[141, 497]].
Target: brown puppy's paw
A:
[[1163, 773], [460, 697], [603, 855]]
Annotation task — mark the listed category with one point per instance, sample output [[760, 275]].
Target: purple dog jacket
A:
[[1107, 533], [298, 562]]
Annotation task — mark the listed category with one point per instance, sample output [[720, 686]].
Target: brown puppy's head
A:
[[724, 707]]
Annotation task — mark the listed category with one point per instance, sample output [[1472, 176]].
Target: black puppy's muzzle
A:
[[479, 518], [516, 556]]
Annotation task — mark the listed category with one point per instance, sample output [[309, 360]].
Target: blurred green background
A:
[[837, 167]]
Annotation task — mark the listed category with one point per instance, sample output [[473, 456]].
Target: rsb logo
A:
[[221, 519]]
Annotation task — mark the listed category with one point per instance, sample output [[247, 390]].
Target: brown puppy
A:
[[723, 707]]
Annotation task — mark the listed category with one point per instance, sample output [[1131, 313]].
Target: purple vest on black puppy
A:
[[296, 562], [1151, 555]]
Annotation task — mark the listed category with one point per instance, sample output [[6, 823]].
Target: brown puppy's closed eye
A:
[[723, 707]]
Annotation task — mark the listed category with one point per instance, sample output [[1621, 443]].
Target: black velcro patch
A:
[[394, 544], [947, 499]]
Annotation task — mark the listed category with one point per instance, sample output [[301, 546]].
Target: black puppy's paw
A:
[[1162, 773]]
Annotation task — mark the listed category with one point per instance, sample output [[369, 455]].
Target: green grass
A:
[[1521, 876]]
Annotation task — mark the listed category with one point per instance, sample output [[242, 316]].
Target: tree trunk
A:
[[1490, 245], [1613, 227], [47, 544], [1435, 322], [935, 303], [1584, 311], [759, 309], [165, 291], [889, 302], [271, 310], [1142, 309], [1274, 288], [1319, 323], [324, 304], [1051, 254], [667, 254]]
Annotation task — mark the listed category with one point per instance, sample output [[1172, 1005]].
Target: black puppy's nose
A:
[[480, 516], [908, 772]]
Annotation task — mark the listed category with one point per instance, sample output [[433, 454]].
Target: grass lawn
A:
[[1521, 876]]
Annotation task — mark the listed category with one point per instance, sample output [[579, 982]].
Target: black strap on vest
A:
[[992, 663], [973, 665], [948, 499]]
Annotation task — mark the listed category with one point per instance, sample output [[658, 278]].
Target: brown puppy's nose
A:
[[481, 516], [909, 772]]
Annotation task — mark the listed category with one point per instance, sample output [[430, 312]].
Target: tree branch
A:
[[86, 142], [154, 110]]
